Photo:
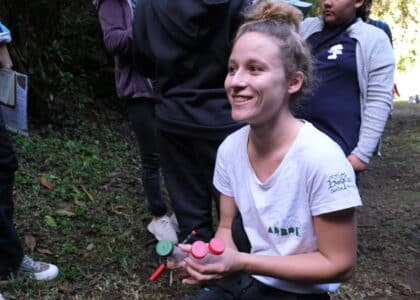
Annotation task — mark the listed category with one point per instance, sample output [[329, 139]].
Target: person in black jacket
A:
[[184, 46]]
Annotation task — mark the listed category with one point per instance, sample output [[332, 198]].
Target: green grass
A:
[[91, 223]]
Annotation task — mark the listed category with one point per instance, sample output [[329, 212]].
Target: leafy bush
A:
[[59, 45]]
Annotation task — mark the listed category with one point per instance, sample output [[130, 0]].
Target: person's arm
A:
[[380, 67], [5, 38], [228, 211], [333, 262], [5, 60], [117, 37]]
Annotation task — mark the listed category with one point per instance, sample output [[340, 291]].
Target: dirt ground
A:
[[389, 223]]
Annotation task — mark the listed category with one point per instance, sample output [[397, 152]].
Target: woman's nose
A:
[[238, 79]]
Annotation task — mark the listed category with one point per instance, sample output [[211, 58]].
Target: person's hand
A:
[[228, 262], [357, 164], [175, 264]]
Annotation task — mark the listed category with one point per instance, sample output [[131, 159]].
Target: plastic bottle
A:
[[208, 253], [199, 250], [165, 248]]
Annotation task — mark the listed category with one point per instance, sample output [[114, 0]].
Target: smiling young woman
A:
[[292, 185]]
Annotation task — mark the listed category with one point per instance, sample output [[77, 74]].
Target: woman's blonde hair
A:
[[281, 21]]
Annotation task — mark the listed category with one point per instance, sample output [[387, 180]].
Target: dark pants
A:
[[243, 286], [142, 117], [187, 166], [11, 252]]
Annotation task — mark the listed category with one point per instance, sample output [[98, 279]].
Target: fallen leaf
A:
[[30, 242], [117, 212], [90, 247], [119, 206], [44, 251], [87, 193], [405, 286], [66, 288], [64, 213], [44, 182], [50, 221], [79, 203], [413, 249]]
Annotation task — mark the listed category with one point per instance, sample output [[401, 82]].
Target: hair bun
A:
[[275, 12]]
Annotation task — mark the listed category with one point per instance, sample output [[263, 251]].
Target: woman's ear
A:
[[295, 83]]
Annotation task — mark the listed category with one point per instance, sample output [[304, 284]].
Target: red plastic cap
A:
[[217, 246], [199, 249]]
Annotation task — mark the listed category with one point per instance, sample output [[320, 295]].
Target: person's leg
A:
[[11, 252], [141, 114], [187, 185], [205, 156], [12, 259]]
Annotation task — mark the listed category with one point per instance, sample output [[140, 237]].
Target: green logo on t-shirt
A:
[[284, 231], [339, 182]]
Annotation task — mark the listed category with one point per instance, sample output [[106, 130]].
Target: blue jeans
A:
[[142, 118]]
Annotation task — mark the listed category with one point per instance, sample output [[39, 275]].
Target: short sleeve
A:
[[332, 185], [221, 178]]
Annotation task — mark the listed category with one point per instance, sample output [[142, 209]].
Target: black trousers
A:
[[142, 117], [187, 167], [11, 252], [244, 287]]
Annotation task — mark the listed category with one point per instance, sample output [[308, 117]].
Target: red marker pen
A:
[[157, 273]]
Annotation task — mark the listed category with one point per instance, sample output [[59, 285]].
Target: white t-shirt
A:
[[313, 178]]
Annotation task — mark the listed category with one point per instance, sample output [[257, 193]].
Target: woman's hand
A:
[[227, 263], [357, 164]]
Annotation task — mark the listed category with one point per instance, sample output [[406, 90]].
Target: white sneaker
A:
[[163, 229], [37, 270], [174, 222]]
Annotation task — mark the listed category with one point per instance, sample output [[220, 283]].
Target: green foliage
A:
[[59, 45]]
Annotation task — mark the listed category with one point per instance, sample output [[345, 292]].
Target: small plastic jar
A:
[[165, 248]]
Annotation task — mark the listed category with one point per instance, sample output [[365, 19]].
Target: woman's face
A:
[[256, 83], [338, 12]]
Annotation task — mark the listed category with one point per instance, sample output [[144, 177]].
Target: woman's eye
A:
[[231, 69], [255, 68]]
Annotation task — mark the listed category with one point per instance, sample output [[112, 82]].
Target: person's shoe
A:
[[174, 222], [37, 270], [163, 229]]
